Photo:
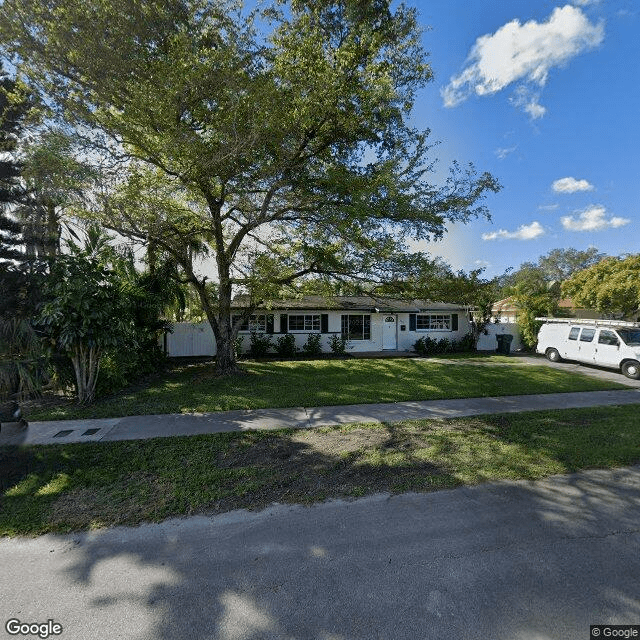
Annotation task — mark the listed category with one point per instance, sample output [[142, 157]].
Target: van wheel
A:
[[631, 369], [553, 355]]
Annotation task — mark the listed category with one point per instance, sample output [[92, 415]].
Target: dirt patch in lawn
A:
[[95, 507], [308, 466]]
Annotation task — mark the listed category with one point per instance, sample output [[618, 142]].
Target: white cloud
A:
[[528, 101], [524, 232], [593, 218], [571, 185], [548, 207], [503, 152], [523, 53]]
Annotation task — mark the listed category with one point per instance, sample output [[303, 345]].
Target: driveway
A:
[[600, 373], [501, 561]]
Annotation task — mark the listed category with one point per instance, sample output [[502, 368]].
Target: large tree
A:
[[611, 286], [16, 286], [275, 141]]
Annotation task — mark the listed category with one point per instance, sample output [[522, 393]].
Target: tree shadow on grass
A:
[[503, 560], [506, 560]]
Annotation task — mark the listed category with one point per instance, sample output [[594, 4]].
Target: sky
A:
[[546, 97]]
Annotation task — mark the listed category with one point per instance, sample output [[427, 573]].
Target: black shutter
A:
[[283, 322], [270, 323], [454, 322], [412, 322], [324, 323]]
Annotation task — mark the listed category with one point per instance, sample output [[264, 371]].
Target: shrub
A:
[[286, 346], [237, 346], [426, 346], [338, 344], [444, 345], [313, 346], [467, 343], [260, 344]]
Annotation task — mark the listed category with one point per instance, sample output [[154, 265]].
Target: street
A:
[[510, 560]]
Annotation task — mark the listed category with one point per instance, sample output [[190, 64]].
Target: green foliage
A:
[[313, 346], [426, 345], [286, 346], [228, 132], [338, 344], [237, 346], [23, 362], [467, 343], [534, 296], [103, 315], [260, 343], [610, 286], [560, 264]]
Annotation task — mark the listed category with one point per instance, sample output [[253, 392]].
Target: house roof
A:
[[351, 303]]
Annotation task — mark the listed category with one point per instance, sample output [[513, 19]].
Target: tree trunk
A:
[[221, 324], [86, 364]]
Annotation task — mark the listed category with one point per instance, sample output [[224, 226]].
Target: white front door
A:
[[389, 338]]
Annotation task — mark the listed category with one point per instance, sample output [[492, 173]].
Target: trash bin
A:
[[504, 343], [507, 338]]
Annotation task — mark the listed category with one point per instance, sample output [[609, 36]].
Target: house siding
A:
[[197, 339]]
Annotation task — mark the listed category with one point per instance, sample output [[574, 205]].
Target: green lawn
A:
[[92, 485], [312, 383]]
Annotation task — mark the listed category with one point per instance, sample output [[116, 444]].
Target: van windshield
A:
[[630, 336]]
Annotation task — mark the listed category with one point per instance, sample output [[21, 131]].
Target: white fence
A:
[[489, 343], [189, 339]]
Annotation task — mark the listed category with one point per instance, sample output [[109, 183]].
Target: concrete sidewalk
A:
[[153, 426]]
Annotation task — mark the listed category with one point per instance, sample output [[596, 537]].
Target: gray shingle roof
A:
[[352, 303]]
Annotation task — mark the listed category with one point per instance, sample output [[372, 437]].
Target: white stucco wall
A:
[[488, 342], [189, 339]]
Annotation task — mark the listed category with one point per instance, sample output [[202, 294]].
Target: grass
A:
[[312, 383], [92, 485]]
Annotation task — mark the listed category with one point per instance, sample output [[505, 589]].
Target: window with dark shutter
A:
[[412, 322], [454, 322], [283, 323], [324, 323]]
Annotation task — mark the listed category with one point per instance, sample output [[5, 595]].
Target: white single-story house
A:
[[369, 324]]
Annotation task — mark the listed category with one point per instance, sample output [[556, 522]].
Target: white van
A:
[[607, 343]]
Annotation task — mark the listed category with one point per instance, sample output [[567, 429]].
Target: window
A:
[[433, 322], [630, 336], [253, 323], [356, 327], [573, 334], [304, 323], [587, 335], [608, 337]]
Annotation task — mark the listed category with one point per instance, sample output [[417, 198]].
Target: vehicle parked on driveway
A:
[[607, 343]]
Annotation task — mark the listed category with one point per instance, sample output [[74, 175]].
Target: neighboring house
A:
[[506, 311], [369, 324]]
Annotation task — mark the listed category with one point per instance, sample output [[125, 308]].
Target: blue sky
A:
[[545, 96]]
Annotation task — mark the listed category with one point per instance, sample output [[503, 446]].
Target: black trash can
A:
[[504, 343]]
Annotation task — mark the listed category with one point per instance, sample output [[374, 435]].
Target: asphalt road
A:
[[510, 560]]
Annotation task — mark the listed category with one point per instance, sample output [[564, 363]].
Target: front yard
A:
[[186, 388], [92, 485]]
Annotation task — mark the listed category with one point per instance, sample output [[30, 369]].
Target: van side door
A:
[[587, 345], [569, 350], [607, 349]]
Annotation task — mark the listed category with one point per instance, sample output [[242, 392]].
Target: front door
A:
[[389, 337]]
